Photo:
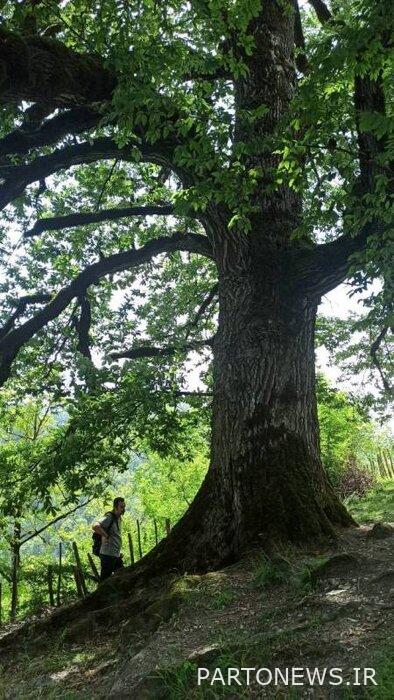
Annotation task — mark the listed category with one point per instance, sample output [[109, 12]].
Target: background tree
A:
[[360, 347], [32, 500], [245, 162]]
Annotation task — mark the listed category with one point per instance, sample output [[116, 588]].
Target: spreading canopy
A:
[[123, 143]]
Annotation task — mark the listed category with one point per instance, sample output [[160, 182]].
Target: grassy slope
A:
[[377, 505], [280, 612]]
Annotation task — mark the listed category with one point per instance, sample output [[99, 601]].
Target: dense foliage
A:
[[189, 52]]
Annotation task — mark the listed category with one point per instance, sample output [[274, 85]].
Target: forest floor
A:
[[331, 608]]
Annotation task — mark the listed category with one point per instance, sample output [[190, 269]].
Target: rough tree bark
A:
[[266, 484], [39, 69]]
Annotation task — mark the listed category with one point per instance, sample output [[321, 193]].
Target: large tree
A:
[[248, 141]]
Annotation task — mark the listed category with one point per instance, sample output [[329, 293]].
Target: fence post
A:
[[78, 581], [79, 567], [383, 470], [380, 464], [390, 460], [156, 534], [93, 567], [168, 526], [372, 465], [139, 539], [15, 549], [131, 548], [387, 462], [50, 586], [59, 577]]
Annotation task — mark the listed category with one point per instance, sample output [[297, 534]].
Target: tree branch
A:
[[69, 78], [299, 40], [202, 309], [151, 351], [61, 158], [23, 302], [34, 115], [74, 121], [18, 177], [316, 272], [11, 343], [83, 326], [28, 537], [322, 12], [79, 219], [373, 352], [203, 394], [105, 183]]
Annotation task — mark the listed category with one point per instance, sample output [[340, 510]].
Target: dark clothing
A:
[[109, 565]]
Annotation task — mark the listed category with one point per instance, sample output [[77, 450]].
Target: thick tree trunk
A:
[[265, 442], [265, 484]]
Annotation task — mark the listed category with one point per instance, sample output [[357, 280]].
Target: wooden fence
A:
[[83, 573], [382, 463]]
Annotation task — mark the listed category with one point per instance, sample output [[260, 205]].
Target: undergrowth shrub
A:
[[271, 571], [355, 481]]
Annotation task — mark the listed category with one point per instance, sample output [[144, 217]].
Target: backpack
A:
[[96, 538]]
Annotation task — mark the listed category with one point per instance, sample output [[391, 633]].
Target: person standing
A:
[[109, 528]]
